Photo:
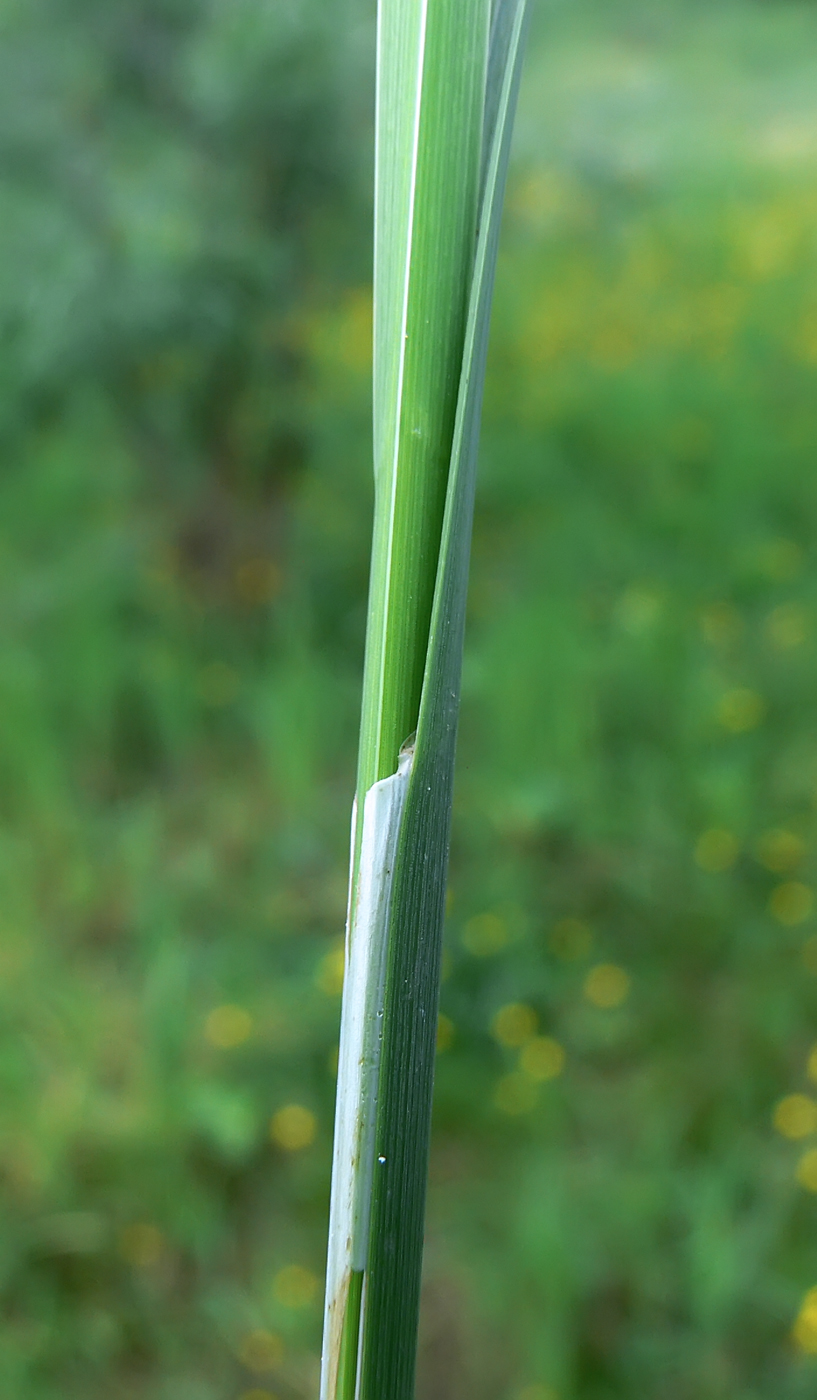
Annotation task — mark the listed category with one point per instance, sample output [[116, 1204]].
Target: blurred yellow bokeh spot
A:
[[542, 1058], [515, 1094], [354, 330], [141, 1245], [485, 934], [805, 1327], [331, 970], [780, 850], [260, 1350], [791, 903], [796, 1116], [540, 197], [787, 626], [570, 939], [741, 710], [606, 985], [716, 850], [445, 1033], [780, 559], [807, 1169], [536, 1392], [514, 1024], [293, 1127], [228, 1026], [295, 1286]]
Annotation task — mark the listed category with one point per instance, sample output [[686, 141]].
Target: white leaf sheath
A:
[[361, 1032]]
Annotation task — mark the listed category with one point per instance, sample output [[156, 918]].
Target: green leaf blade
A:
[[418, 891], [445, 110], [429, 120]]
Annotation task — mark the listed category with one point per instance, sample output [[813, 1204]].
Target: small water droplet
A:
[[381, 1160]]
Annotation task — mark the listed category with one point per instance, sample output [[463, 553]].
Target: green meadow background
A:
[[623, 1196]]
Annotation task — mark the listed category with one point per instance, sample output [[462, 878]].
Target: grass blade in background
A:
[[444, 124]]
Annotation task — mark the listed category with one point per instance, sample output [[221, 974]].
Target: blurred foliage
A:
[[624, 1173]]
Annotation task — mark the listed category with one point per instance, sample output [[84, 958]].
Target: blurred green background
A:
[[623, 1193]]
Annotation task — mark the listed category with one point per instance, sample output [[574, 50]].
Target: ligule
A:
[[445, 104]]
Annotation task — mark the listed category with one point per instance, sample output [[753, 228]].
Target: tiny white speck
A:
[[381, 1160]]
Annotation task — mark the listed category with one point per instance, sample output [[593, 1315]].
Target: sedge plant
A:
[[447, 79]]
